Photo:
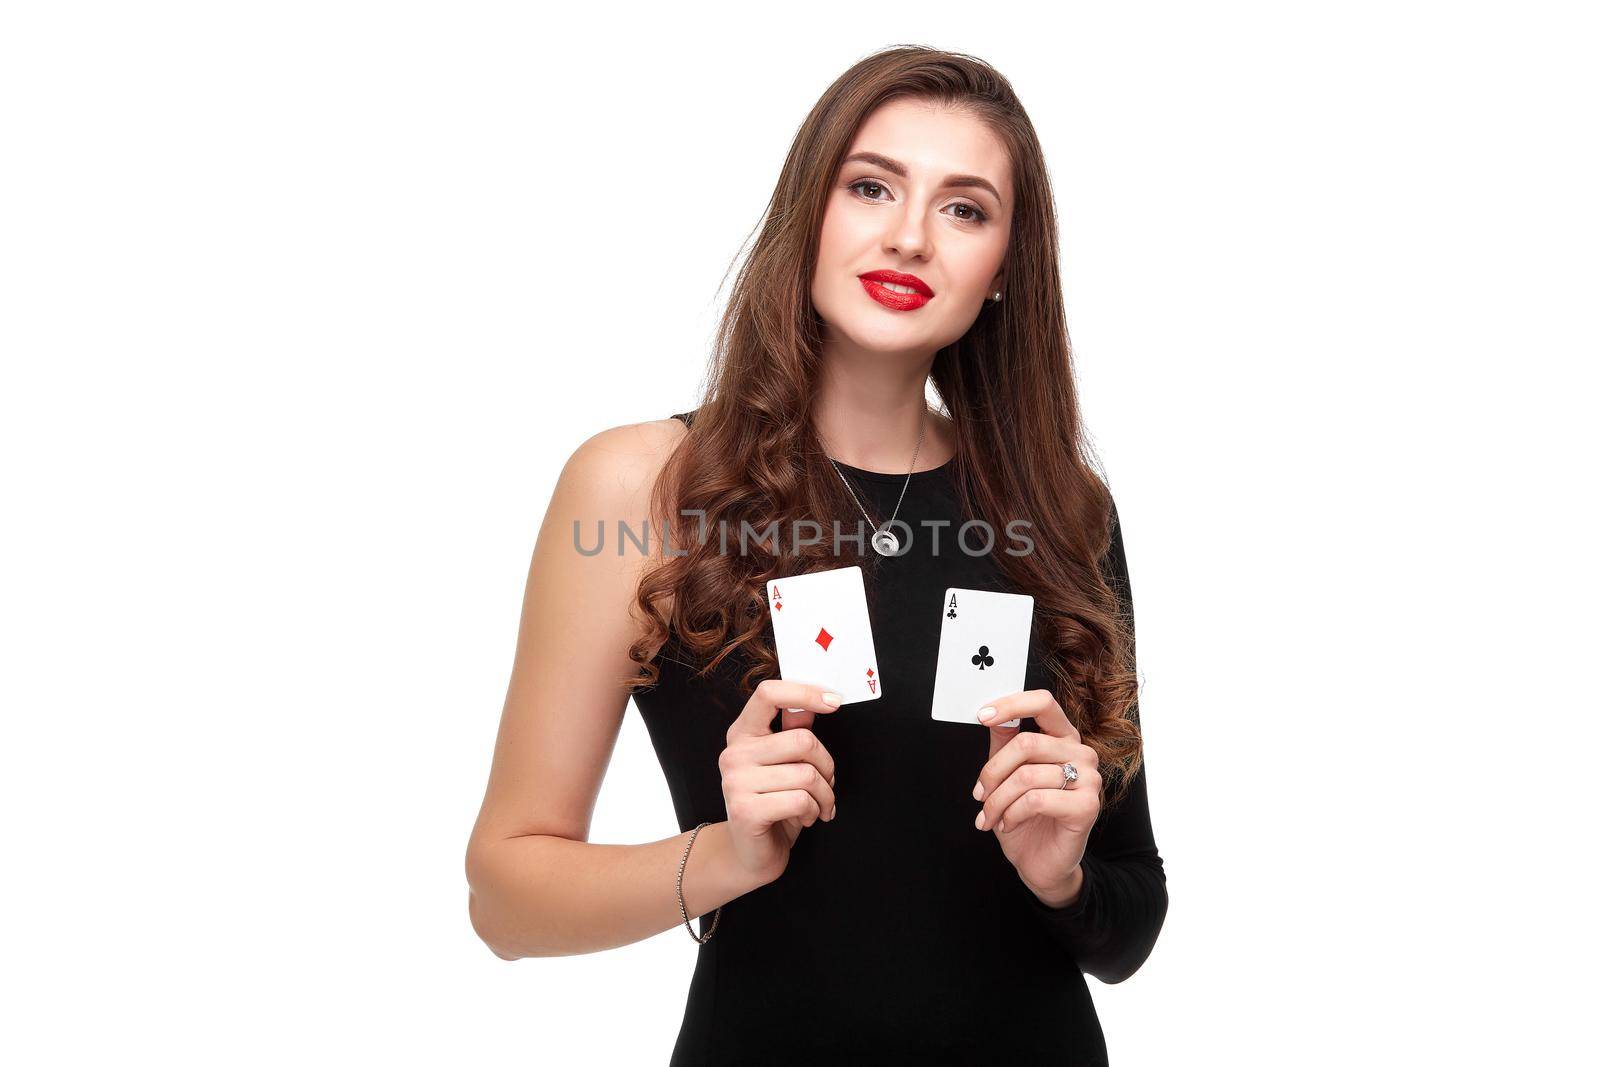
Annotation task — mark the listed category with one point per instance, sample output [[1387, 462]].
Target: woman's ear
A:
[[998, 285]]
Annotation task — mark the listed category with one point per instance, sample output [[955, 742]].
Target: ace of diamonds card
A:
[[822, 632]]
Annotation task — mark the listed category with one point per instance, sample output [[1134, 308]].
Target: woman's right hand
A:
[[775, 783]]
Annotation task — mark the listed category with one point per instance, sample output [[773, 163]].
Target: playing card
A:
[[822, 633], [983, 651]]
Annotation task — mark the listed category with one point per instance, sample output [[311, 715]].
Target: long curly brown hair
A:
[[752, 454]]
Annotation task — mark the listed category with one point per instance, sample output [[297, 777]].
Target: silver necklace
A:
[[884, 542]]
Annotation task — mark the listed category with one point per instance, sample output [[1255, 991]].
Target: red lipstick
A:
[[873, 281]]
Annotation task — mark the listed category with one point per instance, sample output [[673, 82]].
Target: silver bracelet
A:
[[682, 908]]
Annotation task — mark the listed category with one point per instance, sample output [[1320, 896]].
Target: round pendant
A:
[[886, 543]]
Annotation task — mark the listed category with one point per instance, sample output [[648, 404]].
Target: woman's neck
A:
[[872, 421]]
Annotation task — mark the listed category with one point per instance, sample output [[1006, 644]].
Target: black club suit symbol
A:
[[983, 659]]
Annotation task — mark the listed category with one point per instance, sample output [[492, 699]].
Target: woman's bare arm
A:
[[537, 887]]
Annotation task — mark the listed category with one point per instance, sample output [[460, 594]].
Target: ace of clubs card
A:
[[983, 651]]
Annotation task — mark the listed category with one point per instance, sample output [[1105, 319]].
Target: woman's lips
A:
[[891, 299]]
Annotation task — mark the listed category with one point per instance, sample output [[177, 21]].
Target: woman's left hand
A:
[[1042, 827]]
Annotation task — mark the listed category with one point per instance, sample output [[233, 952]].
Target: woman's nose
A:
[[908, 236]]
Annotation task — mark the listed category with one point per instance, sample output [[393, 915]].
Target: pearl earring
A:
[[997, 296]]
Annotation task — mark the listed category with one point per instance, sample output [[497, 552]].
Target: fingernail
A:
[[833, 700], [985, 714], [980, 822], [794, 711], [977, 791]]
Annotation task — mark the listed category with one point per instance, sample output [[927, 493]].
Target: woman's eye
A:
[[978, 215], [867, 182]]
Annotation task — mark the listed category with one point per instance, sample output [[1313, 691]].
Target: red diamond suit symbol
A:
[[824, 638]]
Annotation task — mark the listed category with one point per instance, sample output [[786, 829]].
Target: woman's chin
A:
[[884, 339]]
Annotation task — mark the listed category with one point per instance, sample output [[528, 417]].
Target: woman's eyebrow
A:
[[897, 168]]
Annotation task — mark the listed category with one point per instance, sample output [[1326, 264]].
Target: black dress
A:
[[899, 932]]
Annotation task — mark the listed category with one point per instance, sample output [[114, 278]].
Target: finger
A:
[[765, 809], [773, 750], [1026, 777], [1039, 705], [1030, 748], [1000, 736], [774, 693], [1077, 808], [783, 777]]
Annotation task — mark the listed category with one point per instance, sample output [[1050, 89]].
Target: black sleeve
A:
[[1112, 926]]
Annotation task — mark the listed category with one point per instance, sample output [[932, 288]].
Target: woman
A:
[[975, 873]]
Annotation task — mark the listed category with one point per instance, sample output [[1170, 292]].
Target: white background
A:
[[305, 304]]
